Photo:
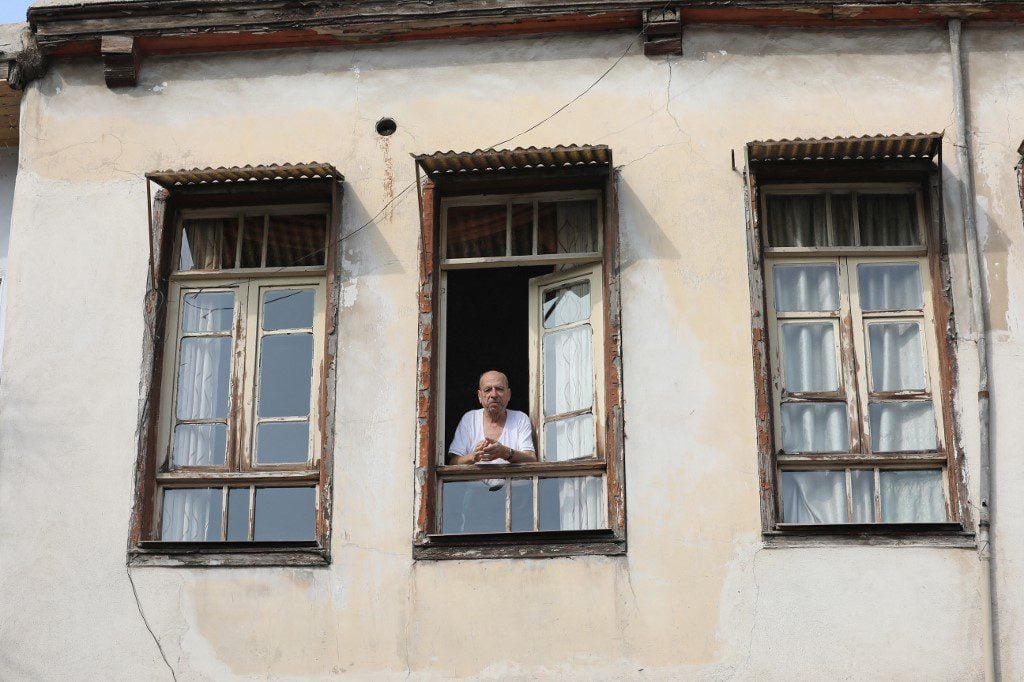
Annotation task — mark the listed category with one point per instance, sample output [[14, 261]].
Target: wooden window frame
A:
[[938, 332], [153, 472], [428, 543]]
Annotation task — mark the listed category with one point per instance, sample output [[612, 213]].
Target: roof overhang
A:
[[289, 173], [919, 146], [77, 27], [487, 161]]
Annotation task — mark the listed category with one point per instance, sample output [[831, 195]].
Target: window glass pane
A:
[[806, 288], [570, 438], [472, 507], [238, 514], [204, 371], [198, 445], [522, 229], [521, 508], [201, 243], [863, 493], [296, 240], [814, 496], [191, 515], [809, 357], [568, 370], [902, 427], [285, 375], [566, 304], [476, 231], [797, 220], [208, 312], [282, 442], [896, 356], [890, 286], [285, 514], [573, 503], [252, 241], [288, 309], [912, 496], [842, 219], [567, 227], [815, 427], [888, 220]]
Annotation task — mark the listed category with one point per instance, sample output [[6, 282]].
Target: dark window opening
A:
[[487, 328]]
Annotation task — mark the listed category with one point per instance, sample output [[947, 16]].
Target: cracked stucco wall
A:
[[697, 596]]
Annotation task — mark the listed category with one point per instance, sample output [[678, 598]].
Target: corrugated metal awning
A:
[[866, 148], [529, 158], [288, 172]]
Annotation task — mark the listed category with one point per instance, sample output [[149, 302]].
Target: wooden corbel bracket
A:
[[121, 59], [663, 32]]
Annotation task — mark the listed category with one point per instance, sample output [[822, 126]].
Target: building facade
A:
[[751, 270]]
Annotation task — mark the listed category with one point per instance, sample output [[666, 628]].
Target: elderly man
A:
[[493, 434]]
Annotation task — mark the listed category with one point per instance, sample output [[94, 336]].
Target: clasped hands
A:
[[488, 450]]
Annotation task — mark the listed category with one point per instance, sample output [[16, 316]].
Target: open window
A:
[[233, 468], [525, 273], [853, 358]]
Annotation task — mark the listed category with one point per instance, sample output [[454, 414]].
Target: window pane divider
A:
[[288, 419], [542, 259], [205, 478], [910, 315], [206, 335], [830, 397], [811, 315], [900, 397], [234, 274], [832, 459], [224, 514], [843, 251], [562, 327], [569, 415], [283, 332]]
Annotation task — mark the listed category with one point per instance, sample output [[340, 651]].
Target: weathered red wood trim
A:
[[426, 375]]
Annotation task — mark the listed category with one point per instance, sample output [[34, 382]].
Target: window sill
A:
[[870, 534], [241, 554], [533, 545]]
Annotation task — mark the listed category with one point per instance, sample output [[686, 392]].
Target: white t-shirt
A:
[[518, 433]]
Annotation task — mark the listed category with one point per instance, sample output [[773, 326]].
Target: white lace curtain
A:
[[191, 515], [820, 496]]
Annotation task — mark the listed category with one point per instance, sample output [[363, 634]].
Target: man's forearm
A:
[[519, 456]]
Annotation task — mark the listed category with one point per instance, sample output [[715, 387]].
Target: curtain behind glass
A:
[[887, 220], [191, 515], [912, 496], [814, 496], [580, 503], [797, 220], [806, 288], [809, 357], [200, 244], [897, 363]]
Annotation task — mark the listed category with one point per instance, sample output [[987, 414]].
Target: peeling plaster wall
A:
[[697, 596]]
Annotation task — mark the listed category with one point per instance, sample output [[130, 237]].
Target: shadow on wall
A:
[[640, 236], [363, 248]]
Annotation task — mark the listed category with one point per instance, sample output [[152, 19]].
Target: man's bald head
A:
[[493, 375]]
